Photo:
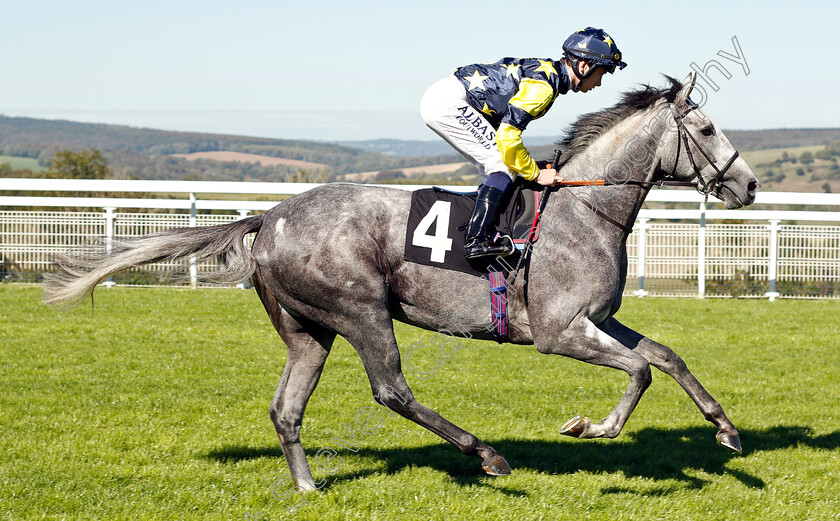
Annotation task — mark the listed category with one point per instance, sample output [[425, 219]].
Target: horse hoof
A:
[[305, 487], [496, 467], [576, 427], [729, 441]]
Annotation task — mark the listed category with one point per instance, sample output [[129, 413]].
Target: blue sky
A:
[[357, 70]]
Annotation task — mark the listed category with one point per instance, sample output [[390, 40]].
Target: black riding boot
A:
[[478, 242]]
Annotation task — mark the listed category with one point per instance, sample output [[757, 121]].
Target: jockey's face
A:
[[594, 80]]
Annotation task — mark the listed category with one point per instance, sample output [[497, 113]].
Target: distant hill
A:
[[399, 147], [809, 168], [745, 140], [408, 148], [24, 134], [145, 153]]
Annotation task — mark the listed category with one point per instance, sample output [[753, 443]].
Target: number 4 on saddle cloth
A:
[[436, 233], [438, 218]]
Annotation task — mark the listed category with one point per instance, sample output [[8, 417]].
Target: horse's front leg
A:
[[583, 341], [671, 364]]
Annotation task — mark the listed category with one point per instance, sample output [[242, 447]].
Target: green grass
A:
[[18, 163], [155, 407]]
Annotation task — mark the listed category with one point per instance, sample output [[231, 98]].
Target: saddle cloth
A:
[[437, 222]]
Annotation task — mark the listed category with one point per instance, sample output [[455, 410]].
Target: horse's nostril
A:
[[752, 186]]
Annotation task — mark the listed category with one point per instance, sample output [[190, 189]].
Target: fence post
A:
[[110, 217], [193, 224], [773, 268], [701, 253], [641, 258]]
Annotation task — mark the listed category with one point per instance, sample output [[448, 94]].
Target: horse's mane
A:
[[589, 127]]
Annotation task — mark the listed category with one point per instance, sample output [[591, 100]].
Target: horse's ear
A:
[[688, 85]]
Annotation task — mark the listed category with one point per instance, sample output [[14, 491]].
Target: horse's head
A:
[[695, 149]]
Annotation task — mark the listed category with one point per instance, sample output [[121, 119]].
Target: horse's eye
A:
[[708, 131]]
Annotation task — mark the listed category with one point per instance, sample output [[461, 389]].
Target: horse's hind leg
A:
[[375, 342], [671, 364], [307, 346]]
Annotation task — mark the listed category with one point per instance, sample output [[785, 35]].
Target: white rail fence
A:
[[689, 252]]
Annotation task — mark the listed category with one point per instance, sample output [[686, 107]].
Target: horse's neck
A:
[[621, 154]]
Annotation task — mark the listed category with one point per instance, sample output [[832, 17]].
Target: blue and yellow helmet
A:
[[596, 47]]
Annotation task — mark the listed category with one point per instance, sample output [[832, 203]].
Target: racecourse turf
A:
[[155, 406]]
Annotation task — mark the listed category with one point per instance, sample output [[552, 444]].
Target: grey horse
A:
[[330, 262]]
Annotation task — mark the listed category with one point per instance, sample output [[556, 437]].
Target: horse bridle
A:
[[705, 184]]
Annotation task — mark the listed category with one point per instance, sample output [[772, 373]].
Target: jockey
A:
[[482, 109]]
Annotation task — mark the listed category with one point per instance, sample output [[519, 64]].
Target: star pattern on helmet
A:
[[608, 40], [547, 67], [512, 70], [477, 81]]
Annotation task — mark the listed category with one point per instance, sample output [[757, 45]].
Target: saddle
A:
[[438, 218]]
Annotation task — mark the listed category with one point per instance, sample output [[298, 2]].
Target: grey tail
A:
[[79, 271]]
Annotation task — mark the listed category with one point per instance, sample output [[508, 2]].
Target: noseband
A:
[[705, 184]]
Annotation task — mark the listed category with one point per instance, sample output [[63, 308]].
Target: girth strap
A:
[[498, 306]]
